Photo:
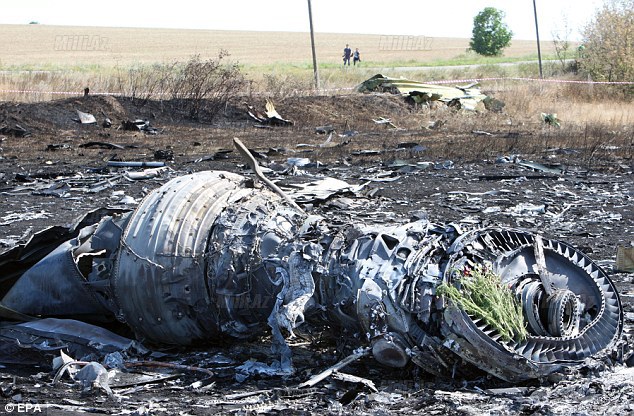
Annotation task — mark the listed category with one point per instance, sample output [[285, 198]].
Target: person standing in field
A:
[[356, 57], [347, 52]]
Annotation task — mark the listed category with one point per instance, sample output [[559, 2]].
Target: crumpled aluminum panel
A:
[[56, 287]]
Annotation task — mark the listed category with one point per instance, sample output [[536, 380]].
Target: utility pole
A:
[[312, 45], [539, 50]]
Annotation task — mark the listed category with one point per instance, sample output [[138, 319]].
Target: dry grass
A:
[[575, 104], [593, 119]]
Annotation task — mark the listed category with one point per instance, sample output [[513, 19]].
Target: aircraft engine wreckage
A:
[[208, 256]]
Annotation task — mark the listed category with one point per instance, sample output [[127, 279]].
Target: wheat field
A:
[[45, 47]]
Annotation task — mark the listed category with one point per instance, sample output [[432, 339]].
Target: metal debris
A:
[[557, 170], [57, 146], [101, 145], [16, 216], [15, 131], [387, 122], [41, 337], [147, 173], [258, 173], [325, 129], [270, 115], [133, 164], [160, 364], [337, 375], [624, 259], [298, 161], [164, 154], [210, 257], [467, 97], [139, 125], [327, 143], [92, 375], [411, 146], [85, 118], [106, 123], [321, 190], [341, 364]]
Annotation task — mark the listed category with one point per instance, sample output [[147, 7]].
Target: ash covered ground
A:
[[473, 169]]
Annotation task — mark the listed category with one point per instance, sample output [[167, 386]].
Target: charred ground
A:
[[450, 165]]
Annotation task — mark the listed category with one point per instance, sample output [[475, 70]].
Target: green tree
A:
[[490, 34], [608, 53]]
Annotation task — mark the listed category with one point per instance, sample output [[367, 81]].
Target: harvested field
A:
[[455, 166], [37, 61], [41, 46]]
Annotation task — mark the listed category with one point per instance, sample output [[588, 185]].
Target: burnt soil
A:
[[449, 165]]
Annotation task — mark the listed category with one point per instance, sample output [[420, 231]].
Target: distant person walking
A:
[[356, 57], [347, 52]]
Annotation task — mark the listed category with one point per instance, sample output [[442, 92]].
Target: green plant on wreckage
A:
[[483, 295]]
